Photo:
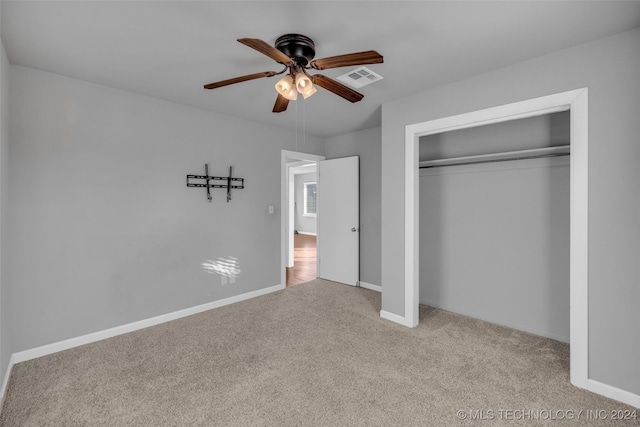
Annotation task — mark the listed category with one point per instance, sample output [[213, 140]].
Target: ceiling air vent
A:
[[359, 77]]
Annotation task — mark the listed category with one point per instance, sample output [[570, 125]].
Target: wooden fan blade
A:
[[266, 49], [281, 104], [239, 79], [359, 58], [337, 88]]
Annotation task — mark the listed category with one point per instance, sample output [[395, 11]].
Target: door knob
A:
[[354, 229]]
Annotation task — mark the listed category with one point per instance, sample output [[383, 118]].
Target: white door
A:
[[338, 220]]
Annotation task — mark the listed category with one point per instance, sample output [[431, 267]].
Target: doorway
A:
[[337, 215], [290, 162], [302, 231]]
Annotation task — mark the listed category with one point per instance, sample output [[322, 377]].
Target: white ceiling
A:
[[170, 49]]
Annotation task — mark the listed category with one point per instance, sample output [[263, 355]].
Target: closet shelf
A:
[[556, 151]]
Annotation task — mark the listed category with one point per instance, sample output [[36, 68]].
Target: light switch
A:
[[270, 209]]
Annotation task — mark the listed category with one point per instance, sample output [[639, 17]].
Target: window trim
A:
[[305, 212]]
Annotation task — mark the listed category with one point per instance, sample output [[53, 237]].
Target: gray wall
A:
[[366, 144], [305, 224], [494, 237], [5, 307], [610, 68], [104, 231], [534, 132]]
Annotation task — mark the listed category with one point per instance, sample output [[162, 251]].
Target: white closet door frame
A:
[[576, 101]]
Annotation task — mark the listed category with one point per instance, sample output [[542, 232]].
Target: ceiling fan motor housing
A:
[[300, 48]]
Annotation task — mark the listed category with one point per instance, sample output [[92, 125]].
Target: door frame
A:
[[576, 102], [285, 156]]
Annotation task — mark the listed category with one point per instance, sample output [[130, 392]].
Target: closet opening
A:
[[494, 223]]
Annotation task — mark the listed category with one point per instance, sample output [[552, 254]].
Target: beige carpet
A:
[[315, 354]]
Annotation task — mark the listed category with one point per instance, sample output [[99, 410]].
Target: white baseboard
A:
[[5, 382], [23, 356], [370, 286], [614, 393], [395, 318], [307, 233]]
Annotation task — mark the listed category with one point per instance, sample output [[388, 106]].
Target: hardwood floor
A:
[[304, 260]]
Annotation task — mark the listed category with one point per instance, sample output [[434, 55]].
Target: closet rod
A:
[[506, 159]]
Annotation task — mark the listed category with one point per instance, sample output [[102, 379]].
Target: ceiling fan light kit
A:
[[287, 88], [304, 85], [296, 53], [291, 85]]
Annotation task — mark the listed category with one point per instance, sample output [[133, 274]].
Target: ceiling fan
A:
[[296, 53]]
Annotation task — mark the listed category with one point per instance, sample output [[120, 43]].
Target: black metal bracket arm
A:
[[236, 183]]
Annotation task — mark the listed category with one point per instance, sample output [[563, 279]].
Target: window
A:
[[310, 193]]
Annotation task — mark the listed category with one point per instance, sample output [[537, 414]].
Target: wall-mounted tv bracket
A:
[[230, 182]]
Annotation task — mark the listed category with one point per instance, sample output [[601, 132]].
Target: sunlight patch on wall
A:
[[227, 268]]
